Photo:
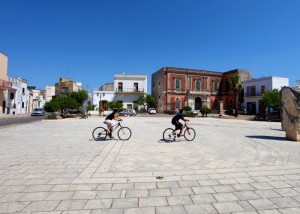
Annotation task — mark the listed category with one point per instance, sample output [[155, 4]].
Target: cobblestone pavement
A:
[[232, 166]]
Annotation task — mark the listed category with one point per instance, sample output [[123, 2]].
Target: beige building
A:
[[4, 83], [50, 92], [66, 85]]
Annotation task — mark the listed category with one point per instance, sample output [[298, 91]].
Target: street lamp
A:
[[100, 95]]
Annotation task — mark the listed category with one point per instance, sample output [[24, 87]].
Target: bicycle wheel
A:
[[189, 134], [124, 133], [169, 135], [99, 133]]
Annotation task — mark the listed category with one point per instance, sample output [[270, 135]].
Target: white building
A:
[[50, 92], [254, 89], [37, 98], [126, 88], [17, 96]]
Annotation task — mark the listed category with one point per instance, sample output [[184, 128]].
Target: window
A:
[[263, 89], [23, 90], [198, 85], [12, 96], [23, 104], [135, 87], [215, 86], [120, 87], [177, 84], [177, 103]]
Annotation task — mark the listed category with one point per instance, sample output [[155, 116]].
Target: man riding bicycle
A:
[[110, 120], [177, 123]]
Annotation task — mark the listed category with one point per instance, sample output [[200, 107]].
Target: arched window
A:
[[177, 84], [215, 86], [177, 103], [197, 85]]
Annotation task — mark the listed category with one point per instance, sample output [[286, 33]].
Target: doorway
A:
[[198, 103]]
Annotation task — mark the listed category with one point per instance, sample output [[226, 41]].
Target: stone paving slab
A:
[[232, 166]]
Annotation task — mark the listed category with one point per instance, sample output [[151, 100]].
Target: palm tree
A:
[[236, 87]]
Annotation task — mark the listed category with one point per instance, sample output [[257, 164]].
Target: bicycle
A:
[[100, 133], [170, 134]]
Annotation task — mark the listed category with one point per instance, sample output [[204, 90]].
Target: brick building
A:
[[174, 88], [66, 85]]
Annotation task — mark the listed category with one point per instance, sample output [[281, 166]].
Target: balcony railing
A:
[[200, 92], [254, 94], [129, 90]]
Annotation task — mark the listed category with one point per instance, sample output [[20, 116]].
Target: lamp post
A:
[[100, 95]]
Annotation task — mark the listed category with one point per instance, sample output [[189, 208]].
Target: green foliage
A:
[[90, 107], [145, 101], [61, 104], [80, 96], [236, 87], [205, 110], [52, 105], [187, 108], [271, 98], [117, 105], [149, 99]]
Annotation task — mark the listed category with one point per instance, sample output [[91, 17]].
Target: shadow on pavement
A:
[[267, 137]]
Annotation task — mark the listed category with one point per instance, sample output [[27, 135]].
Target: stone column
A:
[[221, 107], [290, 113]]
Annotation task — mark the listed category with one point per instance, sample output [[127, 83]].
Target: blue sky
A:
[[90, 40]]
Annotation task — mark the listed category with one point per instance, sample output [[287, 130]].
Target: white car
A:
[[151, 111], [38, 112]]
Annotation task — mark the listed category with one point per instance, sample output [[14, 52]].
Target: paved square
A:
[[232, 166]]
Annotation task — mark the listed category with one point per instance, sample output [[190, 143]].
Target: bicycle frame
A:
[[171, 134], [123, 133]]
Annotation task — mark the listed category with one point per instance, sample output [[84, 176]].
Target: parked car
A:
[[273, 115], [230, 111], [151, 111], [38, 112], [243, 111], [190, 113], [128, 112]]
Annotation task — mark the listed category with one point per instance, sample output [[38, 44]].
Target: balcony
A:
[[253, 94], [200, 93], [129, 91]]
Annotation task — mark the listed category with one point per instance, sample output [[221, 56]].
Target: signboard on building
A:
[[5, 84]]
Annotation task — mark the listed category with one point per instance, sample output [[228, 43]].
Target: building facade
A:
[[50, 92], [255, 88], [174, 88], [66, 85], [126, 88], [4, 83], [17, 101], [37, 98]]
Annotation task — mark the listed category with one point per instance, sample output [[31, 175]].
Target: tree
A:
[[80, 96], [187, 108], [115, 105], [271, 99], [236, 87], [61, 104], [52, 106], [145, 101]]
